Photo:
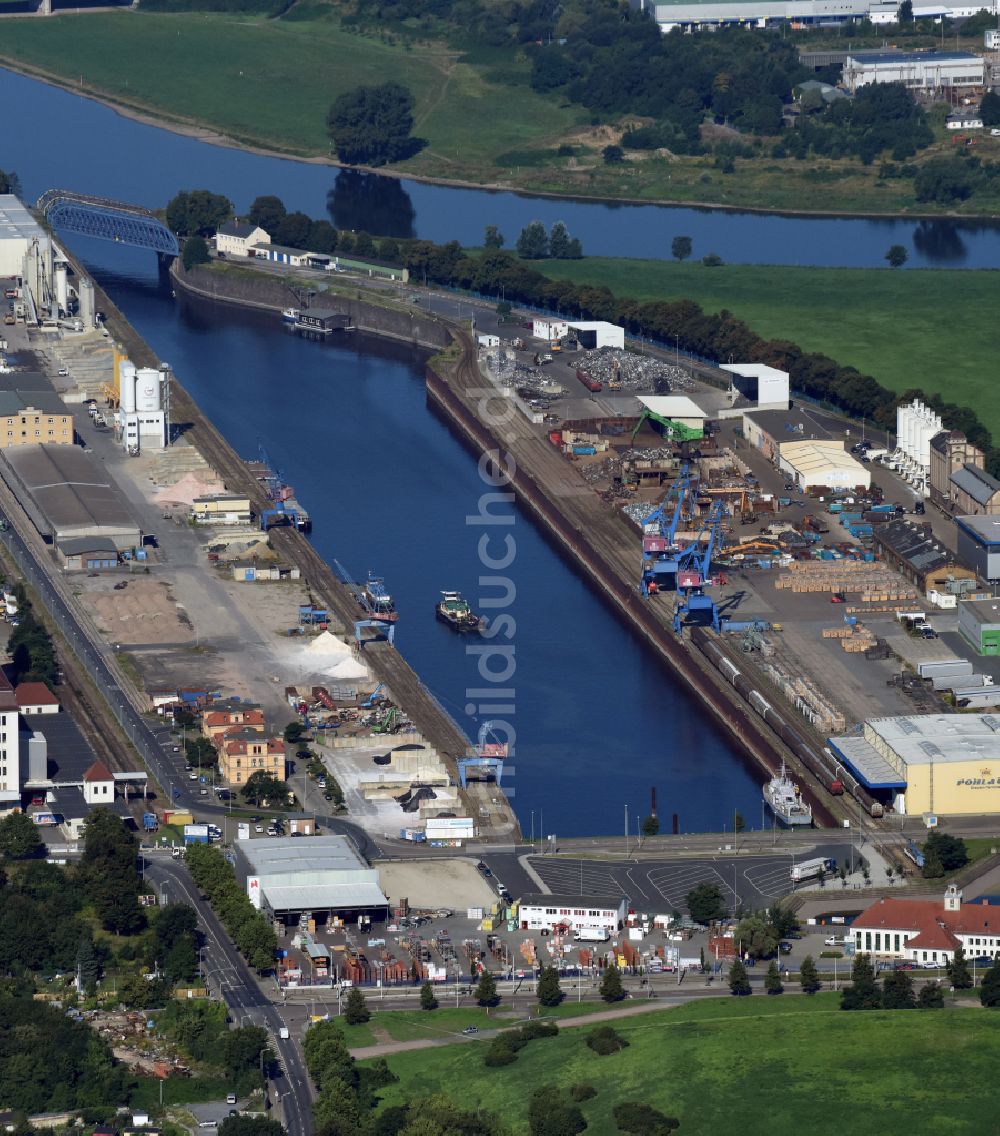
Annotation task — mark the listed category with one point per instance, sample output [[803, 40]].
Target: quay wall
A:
[[448, 390]]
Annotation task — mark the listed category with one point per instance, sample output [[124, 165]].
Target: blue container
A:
[[826, 554], [869, 556], [584, 449]]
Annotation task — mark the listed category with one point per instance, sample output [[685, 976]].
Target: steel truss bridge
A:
[[107, 220]]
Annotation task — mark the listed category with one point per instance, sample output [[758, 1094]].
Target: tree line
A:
[[248, 928]]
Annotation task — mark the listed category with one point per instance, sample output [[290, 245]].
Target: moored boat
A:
[[457, 613], [784, 799]]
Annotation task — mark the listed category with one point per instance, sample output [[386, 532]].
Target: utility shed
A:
[[67, 495]]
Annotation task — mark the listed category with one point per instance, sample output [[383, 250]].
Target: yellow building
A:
[[244, 752], [31, 418], [222, 509], [944, 764]]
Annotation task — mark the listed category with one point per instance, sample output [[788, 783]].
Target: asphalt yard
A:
[[660, 887]]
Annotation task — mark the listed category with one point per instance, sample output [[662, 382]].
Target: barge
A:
[[457, 613]]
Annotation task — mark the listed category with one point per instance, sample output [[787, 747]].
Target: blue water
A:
[[59, 139], [599, 721]]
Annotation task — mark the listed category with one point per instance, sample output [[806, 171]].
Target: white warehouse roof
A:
[[823, 462], [312, 873], [920, 739], [754, 370], [676, 407]]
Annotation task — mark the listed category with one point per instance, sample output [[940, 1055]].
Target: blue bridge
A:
[[107, 220]]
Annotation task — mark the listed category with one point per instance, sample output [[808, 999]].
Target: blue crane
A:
[[270, 477], [659, 551], [489, 755], [694, 569]]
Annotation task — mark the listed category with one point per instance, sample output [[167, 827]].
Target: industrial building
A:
[[592, 334], [912, 549], [676, 416], [87, 554], [10, 746], [237, 238], [548, 329], [767, 430], [580, 913], [973, 492], [221, 509], [916, 426], [822, 464], [317, 876], [757, 386], [918, 70], [67, 496], [979, 545], [927, 930], [695, 14], [979, 625], [142, 417], [28, 418], [950, 450], [942, 764], [19, 232]]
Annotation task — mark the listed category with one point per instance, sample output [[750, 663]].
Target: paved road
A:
[[225, 970]]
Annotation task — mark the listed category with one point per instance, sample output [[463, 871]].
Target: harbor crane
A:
[[694, 572], [659, 550], [490, 754]]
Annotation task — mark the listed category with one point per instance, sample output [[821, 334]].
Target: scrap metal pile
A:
[[616, 369], [529, 382]]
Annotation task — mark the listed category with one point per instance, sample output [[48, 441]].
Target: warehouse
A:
[[979, 545], [924, 70], [87, 553], [581, 913], [979, 625], [318, 876], [18, 231], [68, 496], [822, 464], [594, 334], [693, 14], [675, 416], [766, 430], [944, 764], [758, 386], [913, 550]]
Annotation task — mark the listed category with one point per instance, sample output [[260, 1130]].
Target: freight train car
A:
[[821, 764]]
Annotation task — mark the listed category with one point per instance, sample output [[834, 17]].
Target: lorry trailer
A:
[[808, 869]]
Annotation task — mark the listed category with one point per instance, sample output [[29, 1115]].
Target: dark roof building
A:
[[241, 229], [914, 551], [974, 492]]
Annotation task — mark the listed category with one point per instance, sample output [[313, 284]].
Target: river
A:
[[59, 139]]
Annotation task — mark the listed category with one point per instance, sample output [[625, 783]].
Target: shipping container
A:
[[196, 834]]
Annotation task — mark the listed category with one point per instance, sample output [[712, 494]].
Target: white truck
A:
[[592, 935], [809, 869]]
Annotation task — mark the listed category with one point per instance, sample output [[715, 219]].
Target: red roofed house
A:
[[927, 930], [98, 785], [224, 716], [35, 698]]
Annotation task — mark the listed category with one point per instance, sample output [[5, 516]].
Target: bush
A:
[[605, 1040], [582, 1091], [502, 1051], [642, 1119]]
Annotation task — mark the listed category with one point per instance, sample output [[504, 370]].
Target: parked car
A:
[[230, 1098], [193, 775], [838, 597], [258, 828], [982, 960], [470, 1030], [932, 965], [832, 941], [904, 964]]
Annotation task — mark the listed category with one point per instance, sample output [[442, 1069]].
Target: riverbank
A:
[[155, 67]]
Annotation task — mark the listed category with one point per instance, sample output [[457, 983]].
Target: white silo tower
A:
[[126, 386], [147, 390]]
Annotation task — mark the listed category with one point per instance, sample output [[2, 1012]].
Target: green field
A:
[[932, 329], [773, 1067], [271, 82]]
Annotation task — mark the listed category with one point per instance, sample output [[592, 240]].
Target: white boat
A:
[[784, 799], [290, 315]]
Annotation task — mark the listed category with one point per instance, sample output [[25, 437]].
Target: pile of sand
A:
[[190, 486]]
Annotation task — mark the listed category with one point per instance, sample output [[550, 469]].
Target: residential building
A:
[[979, 545], [10, 746], [231, 715], [973, 492], [913, 550], [237, 238], [928, 930], [35, 698], [575, 913], [244, 751], [950, 450]]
